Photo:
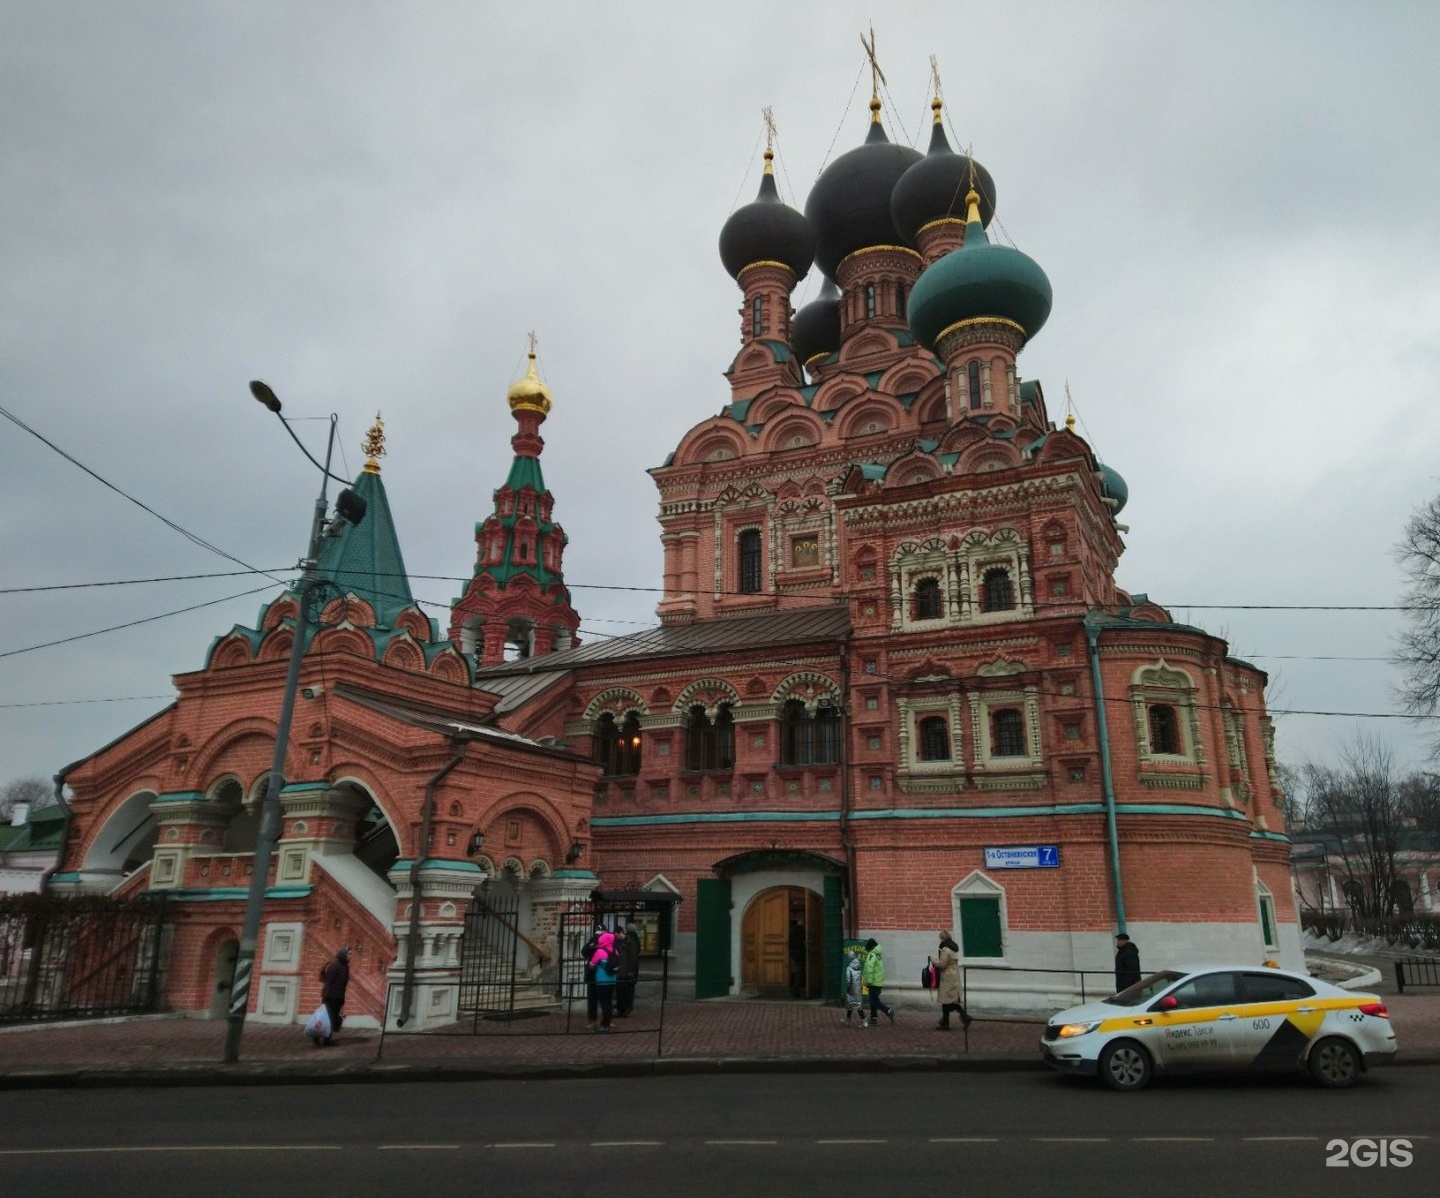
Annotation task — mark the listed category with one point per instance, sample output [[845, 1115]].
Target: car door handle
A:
[[1305, 1010], [1227, 1015]]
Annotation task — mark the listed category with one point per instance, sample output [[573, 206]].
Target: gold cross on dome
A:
[[768, 114], [877, 76], [534, 342]]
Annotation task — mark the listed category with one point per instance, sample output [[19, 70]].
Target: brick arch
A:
[[348, 609], [345, 639], [551, 824], [787, 430], [403, 653], [276, 646], [449, 667], [620, 701], [215, 756], [695, 694], [885, 412], [234, 650], [807, 680]]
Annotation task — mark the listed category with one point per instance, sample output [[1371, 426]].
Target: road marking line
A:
[[524, 1144], [963, 1139], [725, 1142], [1277, 1139], [852, 1141], [627, 1143], [1173, 1139], [1070, 1139], [413, 1147], [173, 1148]]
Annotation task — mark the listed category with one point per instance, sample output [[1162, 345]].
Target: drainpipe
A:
[[1092, 642], [427, 816], [845, 842], [45, 877]]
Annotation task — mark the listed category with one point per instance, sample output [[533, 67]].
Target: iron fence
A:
[[80, 957]]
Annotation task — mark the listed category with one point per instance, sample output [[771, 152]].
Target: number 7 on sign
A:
[[1049, 854]]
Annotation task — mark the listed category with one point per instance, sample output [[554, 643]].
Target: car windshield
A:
[[1145, 989]]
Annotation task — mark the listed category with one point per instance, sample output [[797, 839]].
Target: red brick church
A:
[[894, 687]]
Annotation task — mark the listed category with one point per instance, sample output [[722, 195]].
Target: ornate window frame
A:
[[1010, 772], [915, 775], [1160, 682]]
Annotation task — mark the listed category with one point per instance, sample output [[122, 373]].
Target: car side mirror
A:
[[1168, 1003]]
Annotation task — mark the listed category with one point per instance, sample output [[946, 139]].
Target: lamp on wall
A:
[[576, 851], [477, 842]]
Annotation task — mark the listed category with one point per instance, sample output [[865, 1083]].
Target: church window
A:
[[757, 312], [1009, 733], [997, 592], [972, 375], [869, 299], [710, 744], [934, 739], [809, 738], [927, 599], [900, 298], [749, 545], [1164, 729], [617, 746]]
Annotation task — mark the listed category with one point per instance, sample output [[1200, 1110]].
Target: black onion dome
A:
[[849, 206], [767, 230], [816, 327], [935, 188]]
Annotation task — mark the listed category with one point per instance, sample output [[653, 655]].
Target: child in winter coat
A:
[[606, 963], [853, 987]]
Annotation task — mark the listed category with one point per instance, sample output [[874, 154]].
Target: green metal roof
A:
[[364, 560]]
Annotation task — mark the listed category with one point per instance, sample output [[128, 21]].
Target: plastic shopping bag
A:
[[318, 1024]]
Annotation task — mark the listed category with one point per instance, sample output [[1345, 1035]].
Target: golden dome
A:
[[530, 393]]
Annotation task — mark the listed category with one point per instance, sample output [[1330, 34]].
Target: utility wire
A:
[[125, 582]]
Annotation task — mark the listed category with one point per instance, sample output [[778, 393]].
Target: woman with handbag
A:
[[947, 969]]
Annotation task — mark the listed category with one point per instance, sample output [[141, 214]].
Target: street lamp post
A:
[[352, 508]]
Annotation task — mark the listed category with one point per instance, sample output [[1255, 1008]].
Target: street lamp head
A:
[[350, 505], [262, 392]]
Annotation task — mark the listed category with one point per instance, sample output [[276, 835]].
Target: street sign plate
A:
[[1024, 856]]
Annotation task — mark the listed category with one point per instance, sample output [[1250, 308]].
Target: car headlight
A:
[[1068, 1031]]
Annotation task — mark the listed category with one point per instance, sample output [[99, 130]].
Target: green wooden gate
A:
[[712, 938], [980, 928]]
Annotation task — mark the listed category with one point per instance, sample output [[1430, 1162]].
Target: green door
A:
[[834, 932], [980, 928], [712, 937]]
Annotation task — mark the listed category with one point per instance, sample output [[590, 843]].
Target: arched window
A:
[[757, 312], [710, 744], [809, 739], [1009, 734], [869, 299], [617, 746], [1164, 729], [900, 298], [934, 738], [927, 600], [997, 592], [750, 561], [972, 374]]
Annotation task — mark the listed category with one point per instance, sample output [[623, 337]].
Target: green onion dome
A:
[[849, 206], [976, 282], [1114, 488], [816, 328], [935, 187], [767, 230]]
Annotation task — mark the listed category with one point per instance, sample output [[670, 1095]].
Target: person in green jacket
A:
[[873, 975]]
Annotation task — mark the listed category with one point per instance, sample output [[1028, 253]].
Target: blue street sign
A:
[[1025, 856]]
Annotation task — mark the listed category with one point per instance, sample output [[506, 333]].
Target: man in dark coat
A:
[[1127, 962], [334, 979], [628, 947]]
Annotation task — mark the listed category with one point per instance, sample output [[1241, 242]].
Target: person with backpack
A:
[[947, 985], [873, 974], [628, 947], [606, 963], [592, 999]]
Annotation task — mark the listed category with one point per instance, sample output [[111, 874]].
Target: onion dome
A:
[[767, 230], [976, 282], [849, 206], [529, 393], [1114, 488], [816, 327], [935, 187]]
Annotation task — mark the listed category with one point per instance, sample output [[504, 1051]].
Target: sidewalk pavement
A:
[[713, 1036]]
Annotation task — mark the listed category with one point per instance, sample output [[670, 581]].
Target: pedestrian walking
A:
[[628, 947], [873, 973], [1127, 962], [854, 989], [334, 980], [606, 963], [947, 984]]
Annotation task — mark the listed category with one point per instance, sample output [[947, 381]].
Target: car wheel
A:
[[1335, 1063], [1125, 1066]]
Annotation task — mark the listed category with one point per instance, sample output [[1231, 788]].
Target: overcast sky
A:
[[370, 205]]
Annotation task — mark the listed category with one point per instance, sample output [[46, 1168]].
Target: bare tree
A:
[[1418, 651], [1357, 808], [35, 791]]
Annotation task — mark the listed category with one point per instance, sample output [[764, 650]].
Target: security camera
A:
[[312, 692]]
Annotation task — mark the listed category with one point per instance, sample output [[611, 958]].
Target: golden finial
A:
[[769, 116], [374, 445], [877, 76], [972, 205], [1069, 409], [530, 393]]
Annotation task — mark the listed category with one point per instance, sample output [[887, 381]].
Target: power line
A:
[[73, 702], [126, 582]]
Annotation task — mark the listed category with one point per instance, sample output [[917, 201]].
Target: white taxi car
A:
[[1218, 1017]]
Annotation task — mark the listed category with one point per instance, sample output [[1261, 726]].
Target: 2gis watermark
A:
[[1366, 1153]]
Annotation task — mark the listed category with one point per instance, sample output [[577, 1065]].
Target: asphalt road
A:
[[1022, 1133]]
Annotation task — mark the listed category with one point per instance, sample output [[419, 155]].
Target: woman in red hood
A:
[[606, 963]]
